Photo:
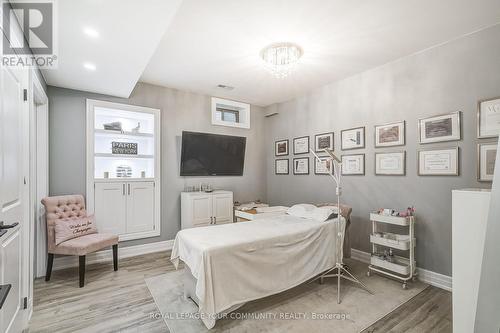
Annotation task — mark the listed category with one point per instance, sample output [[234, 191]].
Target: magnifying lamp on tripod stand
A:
[[340, 271]]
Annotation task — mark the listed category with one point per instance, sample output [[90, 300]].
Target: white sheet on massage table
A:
[[239, 262]]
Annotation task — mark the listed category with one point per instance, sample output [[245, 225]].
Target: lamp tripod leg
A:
[[338, 286], [357, 281]]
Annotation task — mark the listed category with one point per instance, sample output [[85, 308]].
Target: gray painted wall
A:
[[443, 79], [179, 111]]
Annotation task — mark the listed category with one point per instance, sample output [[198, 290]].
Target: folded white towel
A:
[[272, 209]]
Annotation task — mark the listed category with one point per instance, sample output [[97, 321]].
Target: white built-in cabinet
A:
[[200, 209], [133, 207], [123, 185]]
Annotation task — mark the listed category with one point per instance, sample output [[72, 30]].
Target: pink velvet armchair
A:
[[62, 208]]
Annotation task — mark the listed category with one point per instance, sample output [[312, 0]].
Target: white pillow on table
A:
[[312, 212], [324, 213], [301, 210]]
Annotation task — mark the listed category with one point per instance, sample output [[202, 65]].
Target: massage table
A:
[[231, 264]]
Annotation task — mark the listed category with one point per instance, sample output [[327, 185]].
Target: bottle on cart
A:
[[390, 256]]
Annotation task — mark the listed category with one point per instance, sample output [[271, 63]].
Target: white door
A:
[[202, 210], [222, 208], [11, 193], [110, 207], [140, 207]]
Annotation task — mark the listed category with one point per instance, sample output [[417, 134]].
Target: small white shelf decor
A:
[[398, 267], [123, 168], [123, 133]]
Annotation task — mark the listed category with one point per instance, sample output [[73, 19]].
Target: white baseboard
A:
[[434, 279], [107, 255]]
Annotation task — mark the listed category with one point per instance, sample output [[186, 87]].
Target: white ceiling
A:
[[129, 32], [218, 41], [203, 43]]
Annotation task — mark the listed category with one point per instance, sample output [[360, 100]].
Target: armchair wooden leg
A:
[[115, 257], [50, 261], [81, 270]]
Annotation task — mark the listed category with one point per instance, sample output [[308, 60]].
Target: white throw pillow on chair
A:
[[73, 228]]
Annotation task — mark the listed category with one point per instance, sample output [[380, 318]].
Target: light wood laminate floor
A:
[[120, 302], [109, 302], [429, 311]]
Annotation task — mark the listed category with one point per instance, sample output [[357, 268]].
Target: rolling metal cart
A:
[[396, 267]]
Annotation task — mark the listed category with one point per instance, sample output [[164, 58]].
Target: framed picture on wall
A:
[[353, 164], [390, 164], [438, 162], [488, 118], [353, 138], [281, 166], [281, 148], [486, 157], [390, 135], [440, 128], [301, 145], [323, 141], [301, 166], [323, 166]]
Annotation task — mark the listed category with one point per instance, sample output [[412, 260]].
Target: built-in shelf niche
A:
[[125, 203], [136, 128]]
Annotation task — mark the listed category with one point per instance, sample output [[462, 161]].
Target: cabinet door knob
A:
[[123, 186], [215, 219], [128, 189]]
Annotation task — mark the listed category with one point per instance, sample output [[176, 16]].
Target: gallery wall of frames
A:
[[390, 141]]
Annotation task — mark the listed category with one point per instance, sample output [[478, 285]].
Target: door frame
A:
[[20, 320], [39, 160]]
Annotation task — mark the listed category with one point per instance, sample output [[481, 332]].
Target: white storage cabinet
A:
[[125, 208], [200, 209]]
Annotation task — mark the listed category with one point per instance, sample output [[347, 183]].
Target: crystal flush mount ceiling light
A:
[[280, 58]]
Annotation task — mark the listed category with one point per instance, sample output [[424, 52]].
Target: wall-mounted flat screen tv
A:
[[204, 154]]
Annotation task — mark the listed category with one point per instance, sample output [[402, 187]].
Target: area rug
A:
[[310, 307]]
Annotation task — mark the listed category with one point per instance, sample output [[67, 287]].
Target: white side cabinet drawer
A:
[[222, 210], [202, 210]]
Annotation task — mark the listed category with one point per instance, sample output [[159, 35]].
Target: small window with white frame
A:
[[230, 113]]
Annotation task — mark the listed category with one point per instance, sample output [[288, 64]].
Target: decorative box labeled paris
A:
[[124, 148]]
